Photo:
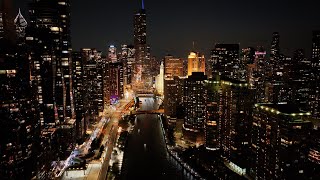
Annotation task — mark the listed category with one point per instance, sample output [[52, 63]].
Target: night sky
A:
[[174, 24]]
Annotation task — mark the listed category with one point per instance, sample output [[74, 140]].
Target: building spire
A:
[[142, 4]]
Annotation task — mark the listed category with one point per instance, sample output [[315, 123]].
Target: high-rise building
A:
[[130, 64], [279, 147], [195, 102], [21, 25], [173, 96], [247, 58], [20, 155], [258, 75], [54, 17], [302, 80], [275, 53], [225, 59], [142, 50], [315, 60], [115, 82], [173, 66], [235, 107], [196, 63], [212, 114], [8, 26], [112, 54], [78, 91], [93, 77], [1, 26]]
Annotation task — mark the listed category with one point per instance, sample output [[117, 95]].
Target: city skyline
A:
[[251, 24]]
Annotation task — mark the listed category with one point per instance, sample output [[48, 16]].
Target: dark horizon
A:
[[172, 32]]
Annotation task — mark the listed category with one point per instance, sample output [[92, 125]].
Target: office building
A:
[[173, 66], [315, 60], [142, 50], [115, 82], [275, 54], [7, 26], [302, 80], [247, 58], [54, 17], [19, 116], [21, 25], [225, 59], [196, 63], [79, 93], [93, 77], [112, 54]]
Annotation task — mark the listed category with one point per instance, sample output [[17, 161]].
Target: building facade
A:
[[194, 100], [279, 142], [196, 63], [235, 107], [225, 59]]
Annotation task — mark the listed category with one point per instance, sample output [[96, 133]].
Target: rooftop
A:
[[285, 109]]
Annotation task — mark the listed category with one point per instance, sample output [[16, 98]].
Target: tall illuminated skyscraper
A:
[[275, 53], [142, 70], [196, 63], [315, 60], [21, 25], [195, 96], [8, 26], [54, 17], [140, 35], [235, 106], [225, 59]]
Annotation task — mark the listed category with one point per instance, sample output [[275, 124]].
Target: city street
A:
[[97, 169]]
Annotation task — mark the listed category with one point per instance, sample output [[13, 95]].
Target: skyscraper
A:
[[196, 63], [93, 82], [173, 66], [235, 107], [140, 38], [19, 115], [21, 25], [78, 91], [315, 60], [55, 17], [275, 53], [302, 80], [115, 82], [9, 31], [195, 102], [225, 58], [1, 26], [142, 70], [212, 114]]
